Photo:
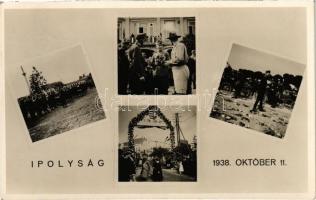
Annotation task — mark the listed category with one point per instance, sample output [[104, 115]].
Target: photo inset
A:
[[156, 56], [157, 144], [258, 91], [56, 93]]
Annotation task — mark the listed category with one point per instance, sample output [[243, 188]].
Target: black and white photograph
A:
[[258, 91], [156, 56], [56, 93], [157, 144]]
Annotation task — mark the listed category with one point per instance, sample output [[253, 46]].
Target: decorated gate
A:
[[150, 111]]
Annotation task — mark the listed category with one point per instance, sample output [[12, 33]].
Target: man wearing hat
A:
[[137, 66], [178, 63], [261, 90]]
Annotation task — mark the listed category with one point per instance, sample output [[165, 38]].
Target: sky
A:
[[64, 65], [247, 58], [187, 124]]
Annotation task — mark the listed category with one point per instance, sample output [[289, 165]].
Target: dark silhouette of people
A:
[[123, 173], [261, 90], [137, 66], [157, 170], [127, 168], [192, 69], [123, 67], [272, 94], [239, 84], [160, 70]]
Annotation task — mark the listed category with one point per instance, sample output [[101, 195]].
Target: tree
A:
[[182, 149], [37, 81], [159, 151], [297, 81]]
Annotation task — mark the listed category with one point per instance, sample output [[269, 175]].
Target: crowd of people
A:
[[50, 96], [273, 89], [151, 166], [139, 73]]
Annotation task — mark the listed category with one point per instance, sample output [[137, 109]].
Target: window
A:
[[118, 31], [191, 27]]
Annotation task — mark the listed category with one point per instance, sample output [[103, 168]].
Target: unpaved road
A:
[[273, 121], [79, 112]]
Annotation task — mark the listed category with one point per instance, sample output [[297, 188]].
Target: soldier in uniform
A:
[[261, 90]]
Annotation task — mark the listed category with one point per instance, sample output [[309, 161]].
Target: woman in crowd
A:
[[178, 62], [146, 170], [181, 169]]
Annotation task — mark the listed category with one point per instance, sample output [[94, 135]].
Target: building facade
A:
[[155, 27]]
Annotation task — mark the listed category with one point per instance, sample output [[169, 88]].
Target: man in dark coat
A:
[[127, 166], [137, 66], [261, 90], [123, 173], [123, 65], [130, 165], [157, 170], [192, 69]]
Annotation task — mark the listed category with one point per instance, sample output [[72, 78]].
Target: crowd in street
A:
[[50, 96], [139, 73], [273, 89], [149, 167]]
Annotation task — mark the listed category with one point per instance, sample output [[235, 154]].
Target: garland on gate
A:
[[140, 117]]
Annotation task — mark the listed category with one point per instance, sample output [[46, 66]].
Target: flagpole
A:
[[27, 83]]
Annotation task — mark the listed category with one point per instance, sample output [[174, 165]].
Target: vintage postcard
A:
[[158, 100]]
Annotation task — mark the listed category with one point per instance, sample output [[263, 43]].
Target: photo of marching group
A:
[[157, 144], [57, 94], [258, 91], [156, 56]]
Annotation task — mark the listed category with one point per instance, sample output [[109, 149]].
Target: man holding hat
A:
[[178, 63]]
